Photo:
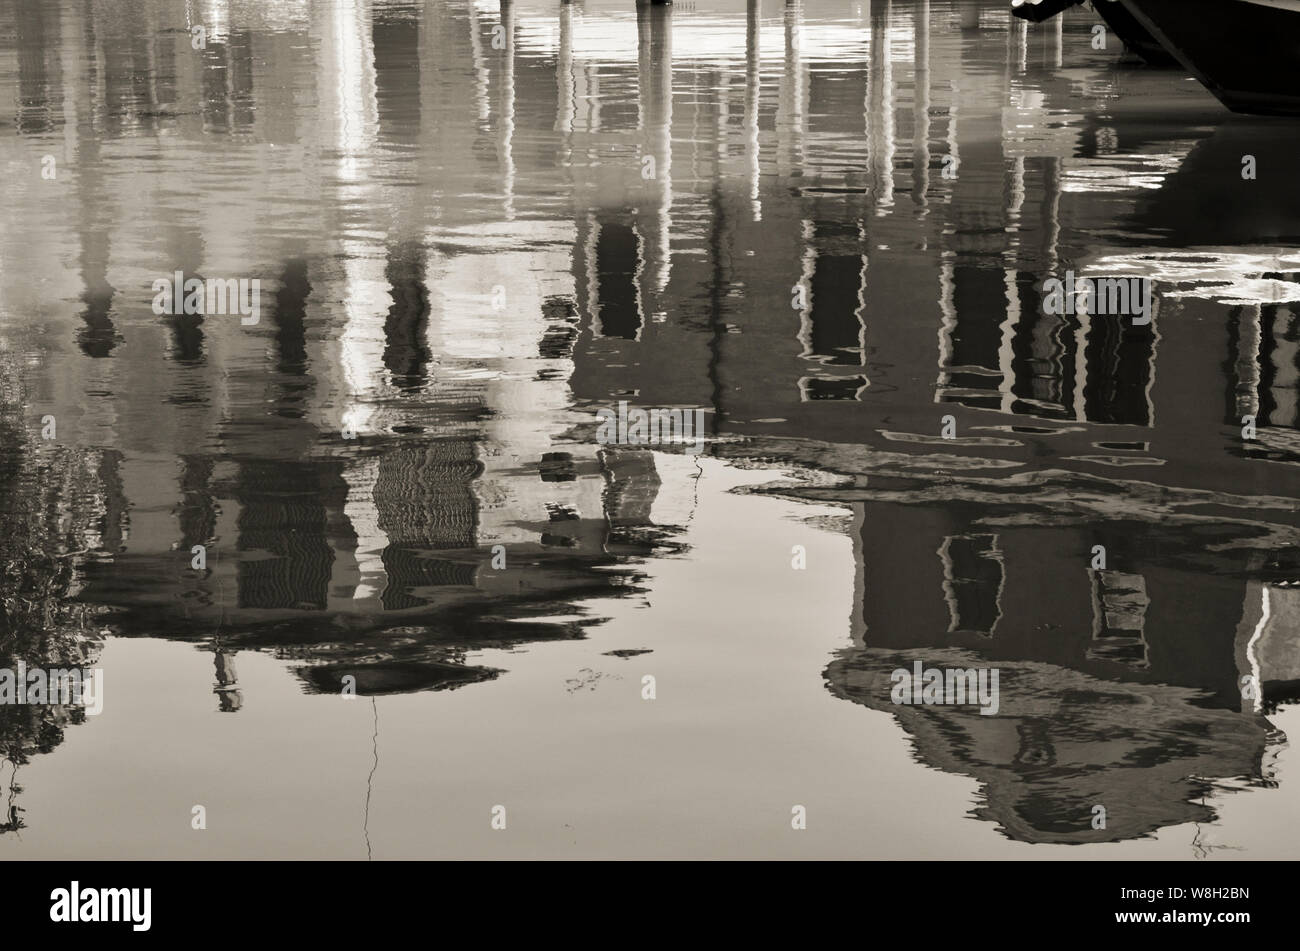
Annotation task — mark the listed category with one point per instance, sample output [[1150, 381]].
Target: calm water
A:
[[477, 223]]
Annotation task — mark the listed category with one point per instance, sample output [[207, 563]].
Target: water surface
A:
[[475, 224]]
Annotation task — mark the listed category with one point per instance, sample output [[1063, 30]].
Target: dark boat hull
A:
[[1246, 52], [1133, 34], [1122, 23], [1043, 10]]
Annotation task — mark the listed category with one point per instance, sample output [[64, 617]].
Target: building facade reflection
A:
[[476, 223]]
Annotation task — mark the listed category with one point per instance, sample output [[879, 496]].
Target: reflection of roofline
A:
[[1056, 496]]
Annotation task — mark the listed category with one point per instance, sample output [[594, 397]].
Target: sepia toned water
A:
[[476, 224]]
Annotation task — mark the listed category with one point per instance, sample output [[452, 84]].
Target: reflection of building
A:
[[476, 222], [824, 286], [402, 405], [1139, 710]]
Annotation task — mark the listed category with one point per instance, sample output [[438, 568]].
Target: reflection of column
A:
[[371, 579], [187, 247], [72, 74], [95, 214], [857, 616], [1006, 348], [290, 322], [753, 88], [655, 84], [347, 84], [1015, 200], [1051, 212], [1282, 369], [216, 85], [881, 135], [348, 116], [789, 110], [1054, 343], [1079, 405], [1249, 337], [921, 105], [1015, 204], [243, 106], [947, 322], [564, 78], [480, 65], [507, 131], [954, 141], [720, 241], [1018, 45], [35, 24], [807, 269], [214, 15], [362, 342]]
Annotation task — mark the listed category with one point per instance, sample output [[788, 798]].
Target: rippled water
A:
[[475, 224]]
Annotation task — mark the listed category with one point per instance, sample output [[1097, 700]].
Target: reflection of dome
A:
[[1063, 742]]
